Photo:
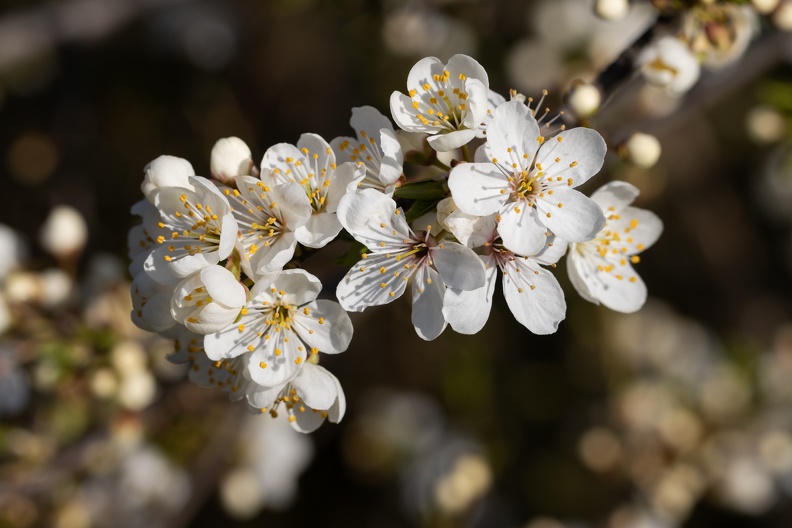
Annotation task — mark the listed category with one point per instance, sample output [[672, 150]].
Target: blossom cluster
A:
[[217, 260]]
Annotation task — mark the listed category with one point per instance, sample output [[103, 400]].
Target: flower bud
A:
[[584, 99], [208, 300], [642, 150], [230, 158], [764, 7], [612, 9], [64, 233], [766, 125], [166, 171], [782, 17]]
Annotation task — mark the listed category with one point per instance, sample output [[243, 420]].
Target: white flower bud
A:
[[5, 316], [766, 125], [669, 63], [56, 287], [642, 150], [230, 158], [22, 287], [64, 233], [12, 250], [103, 383], [612, 9], [584, 100], [764, 7], [782, 17], [166, 171], [137, 390]]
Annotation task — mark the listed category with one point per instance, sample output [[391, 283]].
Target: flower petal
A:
[[392, 163], [540, 309], [316, 386], [571, 215], [478, 189], [362, 286], [581, 271], [459, 266], [512, 136], [278, 360], [427, 305], [320, 230], [580, 153], [638, 229], [521, 230], [467, 311], [615, 196], [324, 325], [445, 141], [406, 116]]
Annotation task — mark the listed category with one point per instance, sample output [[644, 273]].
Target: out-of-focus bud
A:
[[104, 383], [22, 287], [583, 99], [230, 158], [166, 171], [56, 287], [611, 9], [782, 17], [764, 6], [642, 150], [64, 233], [12, 250], [137, 390], [766, 125], [5, 316]]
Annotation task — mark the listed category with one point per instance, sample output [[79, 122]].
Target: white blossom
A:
[[312, 165], [529, 182], [280, 324], [375, 146], [532, 292], [196, 229], [601, 269], [448, 102], [398, 254], [268, 218], [311, 397], [208, 300]]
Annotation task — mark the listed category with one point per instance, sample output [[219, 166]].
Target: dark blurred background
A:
[[679, 415]]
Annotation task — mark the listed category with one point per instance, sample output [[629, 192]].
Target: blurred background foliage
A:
[[679, 415]]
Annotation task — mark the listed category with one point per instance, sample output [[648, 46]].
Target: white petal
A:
[[343, 155], [478, 189], [367, 122], [580, 271], [522, 232], [320, 230], [337, 411], [298, 286], [445, 141], [268, 259], [459, 266], [577, 219], [228, 236], [332, 335], [307, 421], [391, 167], [269, 369], [316, 387], [467, 311], [472, 231], [554, 249], [512, 135], [274, 162], [638, 228], [214, 317], [293, 206], [222, 286], [615, 196], [315, 144], [580, 153], [621, 290], [540, 309], [230, 342], [405, 115], [477, 104], [467, 66], [260, 397], [362, 286], [363, 213], [340, 180], [427, 305]]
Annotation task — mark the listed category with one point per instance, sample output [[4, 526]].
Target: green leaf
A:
[[420, 208], [423, 190]]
